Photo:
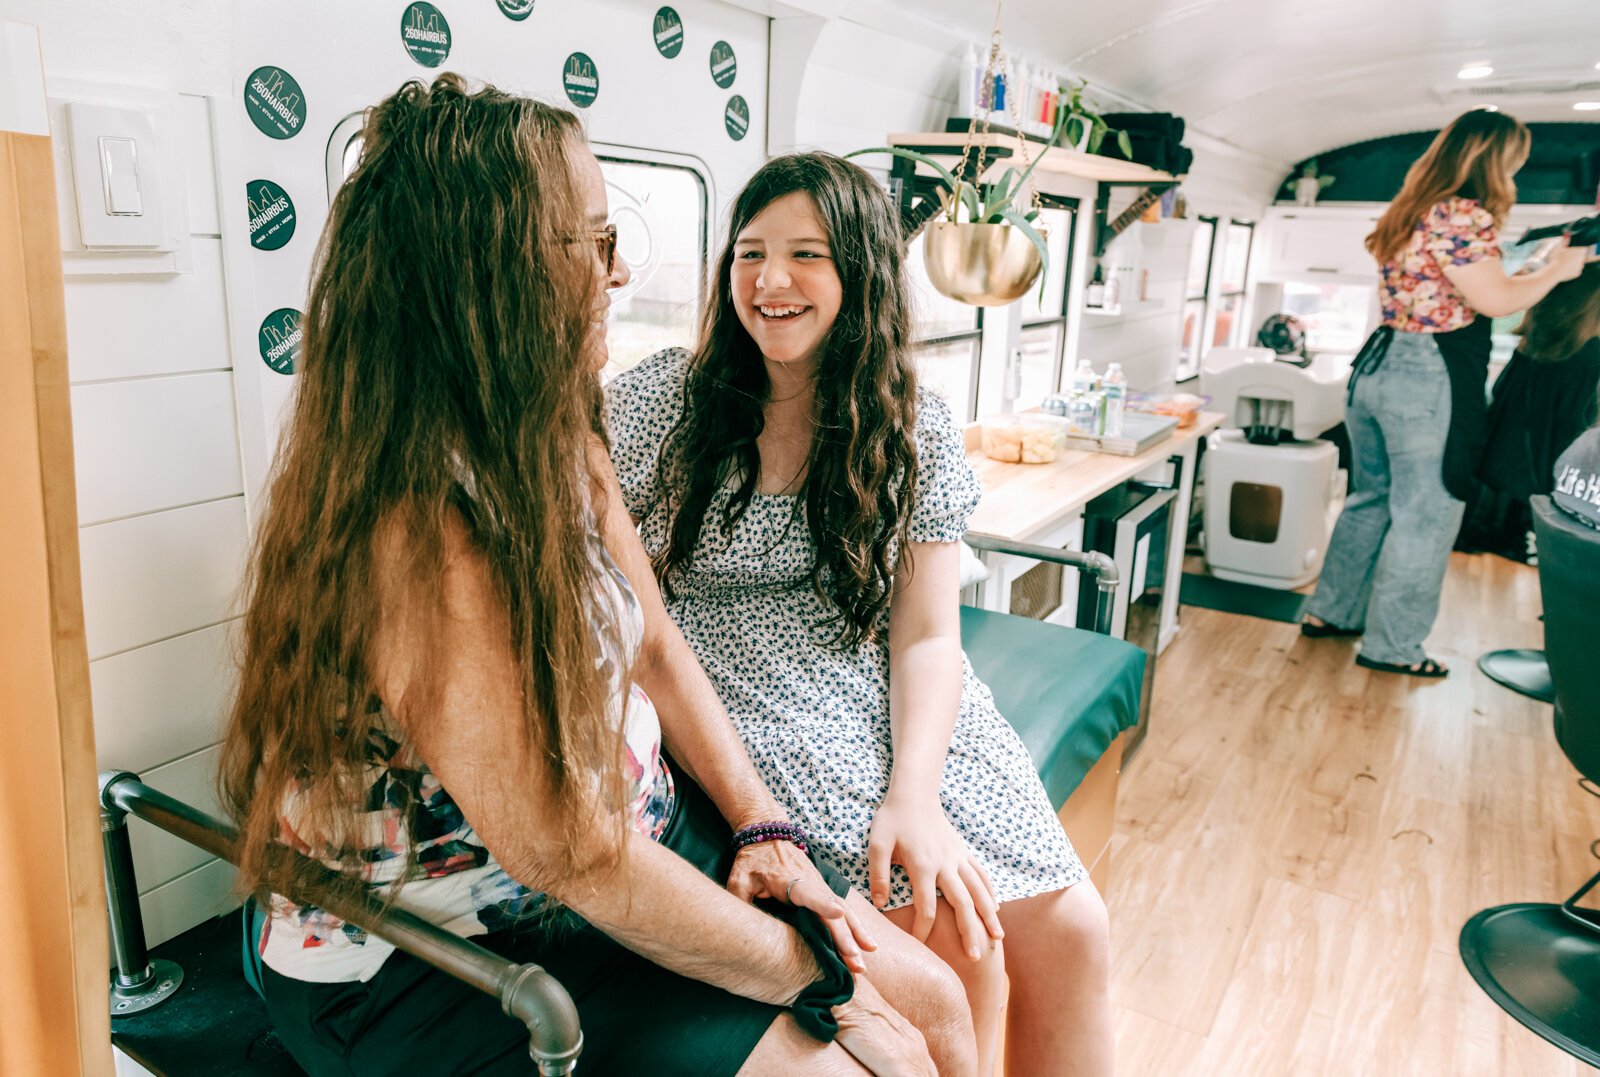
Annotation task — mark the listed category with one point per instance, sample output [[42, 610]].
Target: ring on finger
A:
[[788, 900]]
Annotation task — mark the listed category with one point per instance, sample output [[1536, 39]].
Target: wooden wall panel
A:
[[55, 959]]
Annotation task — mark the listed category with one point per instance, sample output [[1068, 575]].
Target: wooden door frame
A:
[[54, 966]]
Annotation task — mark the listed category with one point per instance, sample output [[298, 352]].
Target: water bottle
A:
[[1115, 388], [1084, 379]]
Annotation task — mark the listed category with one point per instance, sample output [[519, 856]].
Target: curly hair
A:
[[445, 336], [862, 465]]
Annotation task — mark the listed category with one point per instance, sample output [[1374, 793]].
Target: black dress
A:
[[1537, 411]]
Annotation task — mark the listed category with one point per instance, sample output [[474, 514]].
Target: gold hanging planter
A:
[[986, 265]]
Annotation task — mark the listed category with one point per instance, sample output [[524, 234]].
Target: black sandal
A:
[[1428, 669], [1328, 631]]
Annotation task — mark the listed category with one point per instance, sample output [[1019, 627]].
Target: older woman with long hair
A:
[[450, 638], [1416, 402]]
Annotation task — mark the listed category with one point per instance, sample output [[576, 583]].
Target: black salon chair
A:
[[1541, 962], [1521, 670]]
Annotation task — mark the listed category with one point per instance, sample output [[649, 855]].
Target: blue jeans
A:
[[1387, 557]]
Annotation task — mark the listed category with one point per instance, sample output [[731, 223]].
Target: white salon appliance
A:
[[1272, 490]]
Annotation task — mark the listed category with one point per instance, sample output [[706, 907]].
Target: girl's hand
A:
[[879, 1038], [917, 836], [1569, 262], [778, 870]]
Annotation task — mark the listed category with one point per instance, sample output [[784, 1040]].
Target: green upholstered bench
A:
[[1071, 694], [1068, 692]]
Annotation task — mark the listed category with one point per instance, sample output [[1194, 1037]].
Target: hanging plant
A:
[[990, 247]]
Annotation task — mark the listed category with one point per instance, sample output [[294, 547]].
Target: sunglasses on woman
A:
[[605, 241]]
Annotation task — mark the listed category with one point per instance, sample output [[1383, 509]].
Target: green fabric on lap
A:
[[1067, 692]]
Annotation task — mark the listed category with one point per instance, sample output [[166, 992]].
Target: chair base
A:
[[1541, 968], [1521, 671]]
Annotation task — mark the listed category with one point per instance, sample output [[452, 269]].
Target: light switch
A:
[[122, 177], [119, 171]]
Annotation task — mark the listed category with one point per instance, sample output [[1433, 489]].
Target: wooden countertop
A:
[[1020, 500]]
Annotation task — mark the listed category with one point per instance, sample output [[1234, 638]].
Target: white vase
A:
[[1306, 189]]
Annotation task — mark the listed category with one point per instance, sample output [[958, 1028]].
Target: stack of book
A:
[[1139, 432]]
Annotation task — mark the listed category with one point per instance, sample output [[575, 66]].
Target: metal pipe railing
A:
[[1097, 566], [525, 992]]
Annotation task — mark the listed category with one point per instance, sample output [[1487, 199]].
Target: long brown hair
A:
[[861, 469], [444, 352], [1474, 157], [1566, 319]]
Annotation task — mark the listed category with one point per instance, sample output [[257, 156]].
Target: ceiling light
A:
[[1475, 71], [1586, 106]]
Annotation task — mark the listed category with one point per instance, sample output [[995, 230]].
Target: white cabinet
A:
[[1318, 243]]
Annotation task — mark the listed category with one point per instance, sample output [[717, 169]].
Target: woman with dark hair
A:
[[449, 640], [1543, 399], [1415, 409], [803, 500]]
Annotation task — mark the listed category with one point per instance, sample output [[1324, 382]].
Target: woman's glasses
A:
[[605, 241]]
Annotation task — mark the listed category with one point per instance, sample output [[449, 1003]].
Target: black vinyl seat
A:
[[1541, 962]]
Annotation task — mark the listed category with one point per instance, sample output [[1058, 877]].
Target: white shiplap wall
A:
[[162, 535]]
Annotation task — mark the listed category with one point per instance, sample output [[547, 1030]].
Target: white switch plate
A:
[[121, 178]]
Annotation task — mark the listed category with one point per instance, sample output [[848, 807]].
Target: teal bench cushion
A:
[[1067, 692]]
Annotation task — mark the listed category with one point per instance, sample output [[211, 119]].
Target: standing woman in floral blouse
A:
[[1416, 410]]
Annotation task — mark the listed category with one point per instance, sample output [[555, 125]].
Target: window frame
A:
[[1203, 328], [1072, 206], [1244, 282]]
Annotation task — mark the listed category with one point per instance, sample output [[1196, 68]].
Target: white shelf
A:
[[1141, 307], [1058, 159]]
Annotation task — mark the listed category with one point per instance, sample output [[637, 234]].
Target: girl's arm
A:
[[1487, 289], [925, 673], [700, 737]]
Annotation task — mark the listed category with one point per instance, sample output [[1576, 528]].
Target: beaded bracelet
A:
[[759, 832]]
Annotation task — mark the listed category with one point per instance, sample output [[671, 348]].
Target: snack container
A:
[[1034, 438], [1184, 406]]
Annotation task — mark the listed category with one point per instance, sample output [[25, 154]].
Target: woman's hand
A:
[[917, 836], [879, 1038], [778, 870]]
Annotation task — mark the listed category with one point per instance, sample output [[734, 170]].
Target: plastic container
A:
[[1033, 438], [1184, 406]]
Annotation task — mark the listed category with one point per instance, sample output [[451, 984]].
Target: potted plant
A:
[[1308, 185], [987, 250], [1086, 131]]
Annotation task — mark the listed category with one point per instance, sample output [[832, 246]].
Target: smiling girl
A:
[[803, 501]]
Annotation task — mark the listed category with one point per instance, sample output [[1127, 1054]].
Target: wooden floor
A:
[[1300, 840]]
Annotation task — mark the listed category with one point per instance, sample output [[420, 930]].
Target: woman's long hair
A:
[[443, 375], [1474, 157], [861, 469], [1566, 319]]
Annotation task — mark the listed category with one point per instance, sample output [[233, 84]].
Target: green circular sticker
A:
[[425, 34], [668, 33], [580, 80], [273, 99], [736, 118], [271, 215], [724, 68], [280, 338], [515, 10]]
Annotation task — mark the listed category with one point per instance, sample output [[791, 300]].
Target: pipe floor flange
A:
[[164, 982]]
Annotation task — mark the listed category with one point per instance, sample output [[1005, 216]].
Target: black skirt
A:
[[636, 1016]]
